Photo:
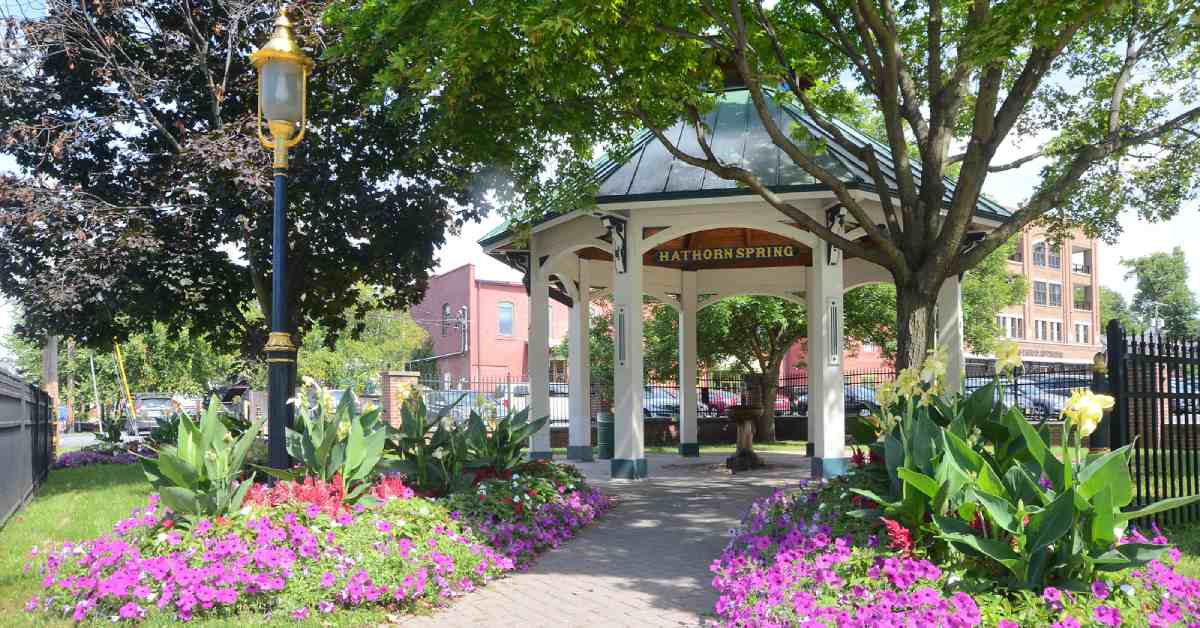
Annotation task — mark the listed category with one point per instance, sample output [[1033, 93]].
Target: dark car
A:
[[858, 401]]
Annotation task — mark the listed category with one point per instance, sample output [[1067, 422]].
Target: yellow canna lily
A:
[[1008, 356], [934, 368], [908, 382], [1085, 409]]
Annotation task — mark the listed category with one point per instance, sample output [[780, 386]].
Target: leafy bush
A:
[[501, 446], [296, 551], [166, 430], [335, 443], [795, 561], [406, 554], [524, 514], [441, 457], [198, 476], [977, 478]]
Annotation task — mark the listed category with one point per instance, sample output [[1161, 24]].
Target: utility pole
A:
[[50, 372]]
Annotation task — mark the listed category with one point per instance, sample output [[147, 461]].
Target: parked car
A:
[[664, 403], [719, 400], [1034, 401], [514, 397], [148, 408], [857, 401]]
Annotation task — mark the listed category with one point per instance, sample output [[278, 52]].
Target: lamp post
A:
[[282, 82]]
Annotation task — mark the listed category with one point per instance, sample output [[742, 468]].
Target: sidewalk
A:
[[645, 563]]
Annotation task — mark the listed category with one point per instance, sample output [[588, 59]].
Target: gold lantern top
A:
[[282, 89]]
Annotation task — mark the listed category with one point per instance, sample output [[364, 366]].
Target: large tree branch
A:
[[1052, 195], [789, 147]]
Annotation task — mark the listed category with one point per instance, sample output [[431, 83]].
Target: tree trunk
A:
[[915, 325], [764, 428]]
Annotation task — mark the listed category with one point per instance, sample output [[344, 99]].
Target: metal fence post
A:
[[1118, 419]]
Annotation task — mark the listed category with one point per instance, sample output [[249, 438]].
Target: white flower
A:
[[1127, 589]]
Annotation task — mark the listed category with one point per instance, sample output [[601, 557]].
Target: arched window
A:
[[1039, 253], [504, 318], [445, 317]]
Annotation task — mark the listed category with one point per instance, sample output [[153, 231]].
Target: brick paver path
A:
[[645, 563]]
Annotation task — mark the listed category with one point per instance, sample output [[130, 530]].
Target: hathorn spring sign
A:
[[729, 256]]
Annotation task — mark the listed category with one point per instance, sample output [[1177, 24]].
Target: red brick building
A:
[[480, 327]]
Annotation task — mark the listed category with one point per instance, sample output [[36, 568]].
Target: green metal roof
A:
[[649, 173]]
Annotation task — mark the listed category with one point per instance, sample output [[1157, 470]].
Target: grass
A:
[[73, 504]]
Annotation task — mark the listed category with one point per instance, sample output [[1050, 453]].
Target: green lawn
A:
[[73, 504]]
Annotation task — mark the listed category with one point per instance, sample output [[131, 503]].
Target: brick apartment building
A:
[[480, 327], [1060, 319]]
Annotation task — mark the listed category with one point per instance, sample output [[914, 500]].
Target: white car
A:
[[515, 397]]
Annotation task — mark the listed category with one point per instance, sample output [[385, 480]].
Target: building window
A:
[[1011, 326], [1081, 261], [1082, 296], [1055, 294], [1039, 253], [1018, 254], [504, 314], [445, 318], [1039, 293], [1048, 330], [1055, 256], [1083, 333]]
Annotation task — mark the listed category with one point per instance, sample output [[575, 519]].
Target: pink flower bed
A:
[[796, 560], [294, 551]]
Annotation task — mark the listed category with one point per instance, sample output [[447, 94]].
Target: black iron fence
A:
[[1039, 390], [26, 441], [1155, 382]]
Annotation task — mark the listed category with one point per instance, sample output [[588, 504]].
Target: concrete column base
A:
[[541, 455], [579, 453], [830, 467], [689, 450], [624, 469]]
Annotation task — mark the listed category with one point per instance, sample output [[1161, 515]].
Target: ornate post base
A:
[[281, 386]]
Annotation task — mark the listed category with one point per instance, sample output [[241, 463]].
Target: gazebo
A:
[[681, 235]]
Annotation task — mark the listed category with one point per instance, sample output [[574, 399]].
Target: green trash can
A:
[[604, 435]]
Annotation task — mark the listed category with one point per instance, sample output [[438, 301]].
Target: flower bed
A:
[[535, 508], [97, 455], [296, 549], [797, 560]]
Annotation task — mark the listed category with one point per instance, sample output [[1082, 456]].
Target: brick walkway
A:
[[645, 563]]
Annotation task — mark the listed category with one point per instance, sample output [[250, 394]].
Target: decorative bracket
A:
[[834, 217], [620, 250]]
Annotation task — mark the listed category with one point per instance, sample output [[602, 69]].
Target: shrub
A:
[[405, 553], [335, 443], [198, 476], [972, 476], [796, 561], [525, 514]]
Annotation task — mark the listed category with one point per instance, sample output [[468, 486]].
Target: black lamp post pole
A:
[[281, 353]]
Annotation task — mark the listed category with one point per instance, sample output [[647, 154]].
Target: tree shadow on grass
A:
[[100, 477]]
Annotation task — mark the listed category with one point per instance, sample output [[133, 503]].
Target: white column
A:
[[579, 437], [950, 332], [826, 393], [539, 355], [689, 445], [629, 458]]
